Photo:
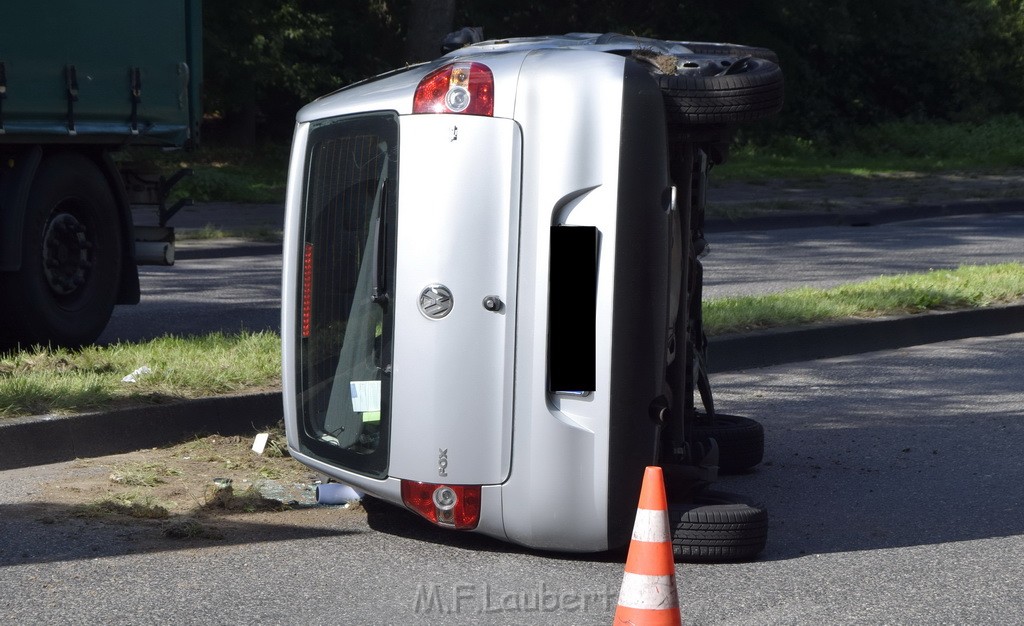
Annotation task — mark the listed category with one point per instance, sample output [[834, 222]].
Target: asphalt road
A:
[[227, 286], [232, 285], [893, 482], [753, 262]]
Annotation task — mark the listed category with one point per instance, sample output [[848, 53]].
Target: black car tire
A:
[[717, 527], [721, 90], [740, 440]]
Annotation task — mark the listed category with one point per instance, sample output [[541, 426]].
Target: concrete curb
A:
[[779, 346], [26, 441], [870, 217]]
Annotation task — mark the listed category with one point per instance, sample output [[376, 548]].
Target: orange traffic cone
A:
[[648, 593]]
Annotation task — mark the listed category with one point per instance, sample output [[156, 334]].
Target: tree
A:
[[428, 22], [847, 62], [259, 50]]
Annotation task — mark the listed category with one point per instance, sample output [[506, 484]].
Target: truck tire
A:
[[65, 291], [721, 90], [717, 528], [740, 440]]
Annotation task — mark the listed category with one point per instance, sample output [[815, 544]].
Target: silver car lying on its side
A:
[[491, 286]]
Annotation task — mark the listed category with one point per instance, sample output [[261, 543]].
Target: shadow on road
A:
[[389, 519], [905, 448], [45, 532]]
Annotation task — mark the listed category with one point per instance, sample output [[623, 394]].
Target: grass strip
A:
[[963, 288], [220, 173], [44, 381], [212, 232], [892, 148]]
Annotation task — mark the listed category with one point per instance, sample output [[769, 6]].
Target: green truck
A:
[[80, 83]]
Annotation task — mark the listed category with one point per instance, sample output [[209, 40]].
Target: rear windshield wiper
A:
[[378, 279]]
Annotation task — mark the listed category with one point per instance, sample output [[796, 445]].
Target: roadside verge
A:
[[789, 345], [29, 441], [38, 440]]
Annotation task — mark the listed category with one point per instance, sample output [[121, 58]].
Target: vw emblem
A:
[[436, 301]]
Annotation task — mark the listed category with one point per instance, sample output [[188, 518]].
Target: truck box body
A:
[[107, 72]]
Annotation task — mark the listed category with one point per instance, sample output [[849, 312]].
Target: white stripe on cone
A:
[[651, 526], [648, 592]]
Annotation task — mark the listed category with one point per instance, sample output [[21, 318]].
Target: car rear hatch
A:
[[405, 328], [457, 241]]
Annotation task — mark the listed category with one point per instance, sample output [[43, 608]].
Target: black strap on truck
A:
[[3, 94], [71, 82], [135, 89]]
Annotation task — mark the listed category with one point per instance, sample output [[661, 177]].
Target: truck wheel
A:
[[717, 528], [740, 440], [721, 90], [65, 291]]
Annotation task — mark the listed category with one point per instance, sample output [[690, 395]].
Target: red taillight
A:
[[307, 289], [456, 88], [454, 506]]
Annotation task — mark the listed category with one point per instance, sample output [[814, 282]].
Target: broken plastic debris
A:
[[337, 493], [260, 443], [134, 376]]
